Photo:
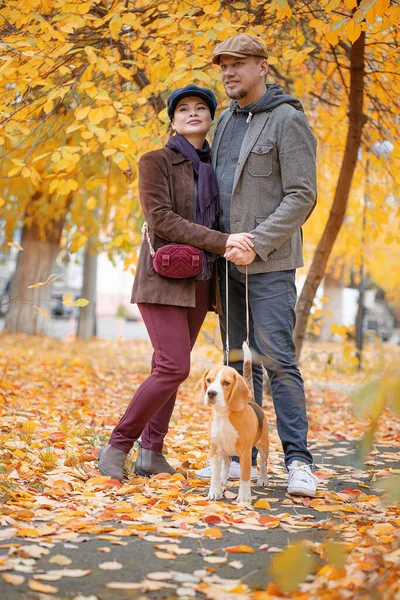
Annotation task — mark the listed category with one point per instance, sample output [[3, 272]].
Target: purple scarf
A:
[[207, 207], [208, 203]]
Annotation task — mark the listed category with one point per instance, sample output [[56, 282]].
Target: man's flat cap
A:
[[241, 45]]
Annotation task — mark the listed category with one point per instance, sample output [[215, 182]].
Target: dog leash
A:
[[227, 348]]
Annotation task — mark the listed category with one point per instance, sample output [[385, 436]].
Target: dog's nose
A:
[[211, 394]]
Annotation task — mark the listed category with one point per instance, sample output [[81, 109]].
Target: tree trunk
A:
[[35, 263], [333, 290], [338, 210], [87, 314]]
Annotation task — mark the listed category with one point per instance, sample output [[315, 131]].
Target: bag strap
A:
[[145, 231]]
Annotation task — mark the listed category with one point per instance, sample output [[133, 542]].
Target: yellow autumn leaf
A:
[[82, 113], [80, 302], [353, 31], [78, 242], [51, 278], [96, 115], [13, 579], [91, 203], [334, 508], [213, 532], [42, 312], [28, 532], [242, 549], [15, 245], [42, 587], [262, 504]]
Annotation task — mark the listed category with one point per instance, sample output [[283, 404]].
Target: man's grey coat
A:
[[274, 189]]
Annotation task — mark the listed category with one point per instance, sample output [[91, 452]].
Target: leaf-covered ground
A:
[[68, 532]]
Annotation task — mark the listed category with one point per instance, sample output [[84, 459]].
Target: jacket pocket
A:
[[260, 161]]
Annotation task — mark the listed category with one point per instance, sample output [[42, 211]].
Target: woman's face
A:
[[192, 117]]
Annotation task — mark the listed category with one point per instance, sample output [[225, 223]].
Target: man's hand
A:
[[240, 257], [239, 240]]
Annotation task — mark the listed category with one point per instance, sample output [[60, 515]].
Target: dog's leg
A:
[[245, 488], [215, 492], [263, 448], [262, 480], [225, 470]]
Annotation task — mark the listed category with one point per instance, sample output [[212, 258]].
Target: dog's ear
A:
[[240, 394], [202, 385]]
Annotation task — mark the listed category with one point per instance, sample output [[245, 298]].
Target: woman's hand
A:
[[240, 240]]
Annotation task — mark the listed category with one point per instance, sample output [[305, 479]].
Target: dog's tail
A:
[[248, 368]]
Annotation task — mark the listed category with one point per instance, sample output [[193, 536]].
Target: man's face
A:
[[241, 75]]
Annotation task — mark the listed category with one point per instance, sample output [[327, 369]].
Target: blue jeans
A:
[[272, 300]]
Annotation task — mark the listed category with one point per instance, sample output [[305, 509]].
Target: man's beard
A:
[[237, 95]]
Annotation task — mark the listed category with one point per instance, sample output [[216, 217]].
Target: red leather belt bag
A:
[[176, 261]]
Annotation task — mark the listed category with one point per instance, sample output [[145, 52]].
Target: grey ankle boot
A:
[[150, 462], [111, 462]]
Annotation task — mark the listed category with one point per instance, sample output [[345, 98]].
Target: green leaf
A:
[[391, 487], [369, 400], [392, 392], [339, 24], [365, 445], [335, 554], [367, 4], [291, 567]]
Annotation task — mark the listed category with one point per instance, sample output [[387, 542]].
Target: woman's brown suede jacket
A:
[[166, 190]]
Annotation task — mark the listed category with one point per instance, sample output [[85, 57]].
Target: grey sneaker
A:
[[150, 462], [111, 462]]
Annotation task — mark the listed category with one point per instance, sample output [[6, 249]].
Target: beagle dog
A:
[[236, 425]]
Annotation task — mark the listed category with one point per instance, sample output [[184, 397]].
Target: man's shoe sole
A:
[[302, 492]]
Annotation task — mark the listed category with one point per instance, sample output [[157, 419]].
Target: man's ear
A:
[[240, 394], [202, 385]]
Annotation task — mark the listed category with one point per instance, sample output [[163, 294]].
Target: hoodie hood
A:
[[273, 97]]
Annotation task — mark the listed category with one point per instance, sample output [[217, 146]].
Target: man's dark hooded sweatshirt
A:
[[231, 142]]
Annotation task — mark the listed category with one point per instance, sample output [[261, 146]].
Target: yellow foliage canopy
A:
[[82, 83]]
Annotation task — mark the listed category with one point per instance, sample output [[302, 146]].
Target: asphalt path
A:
[[138, 555]]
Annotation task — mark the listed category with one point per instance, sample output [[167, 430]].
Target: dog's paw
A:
[[262, 481], [244, 495], [215, 494], [243, 499], [224, 482]]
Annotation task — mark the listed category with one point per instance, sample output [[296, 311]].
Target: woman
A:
[[179, 196]]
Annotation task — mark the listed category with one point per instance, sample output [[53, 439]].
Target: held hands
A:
[[241, 241], [240, 257]]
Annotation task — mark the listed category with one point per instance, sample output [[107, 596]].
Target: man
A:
[[264, 153]]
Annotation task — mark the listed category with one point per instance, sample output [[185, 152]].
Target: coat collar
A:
[[175, 157]]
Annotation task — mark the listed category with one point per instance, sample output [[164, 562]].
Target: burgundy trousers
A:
[[173, 331]]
